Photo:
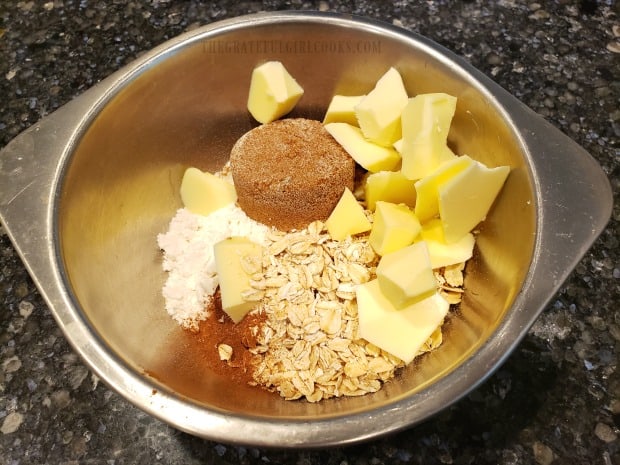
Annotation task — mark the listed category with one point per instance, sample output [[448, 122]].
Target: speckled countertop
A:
[[557, 398]]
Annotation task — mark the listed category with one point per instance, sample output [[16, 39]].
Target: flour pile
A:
[[189, 260]]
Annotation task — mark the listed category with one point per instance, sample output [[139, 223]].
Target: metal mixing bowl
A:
[[85, 191]]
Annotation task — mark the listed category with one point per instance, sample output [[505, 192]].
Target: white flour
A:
[[188, 258]]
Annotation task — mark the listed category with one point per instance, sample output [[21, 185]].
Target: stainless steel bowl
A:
[[85, 191]]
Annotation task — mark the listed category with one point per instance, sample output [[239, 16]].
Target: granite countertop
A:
[[555, 400]]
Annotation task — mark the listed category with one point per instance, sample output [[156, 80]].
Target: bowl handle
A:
[[575, 203], [29, 165]]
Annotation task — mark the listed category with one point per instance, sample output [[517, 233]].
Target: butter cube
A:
[[203, 192], [441, 253], [342, 109], [273, 92], [406, 276], [432, 230], [427, 188], [378, 114], [425, 125], [394, 227], [229, 255], [368, 155], [389, 186], [466, 198], [347, 218], [401, 332]]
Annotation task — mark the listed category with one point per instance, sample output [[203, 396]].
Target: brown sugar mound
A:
[[290, 172]]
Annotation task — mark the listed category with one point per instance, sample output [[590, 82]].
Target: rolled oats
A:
[[453, 274], [225, 352], [309, 345]]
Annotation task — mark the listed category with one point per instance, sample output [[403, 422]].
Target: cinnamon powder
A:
[[218, 329]]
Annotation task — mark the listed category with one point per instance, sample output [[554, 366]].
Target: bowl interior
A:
[[187, 108]]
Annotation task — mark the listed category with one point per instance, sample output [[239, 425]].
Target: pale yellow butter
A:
[[378, 114], [368, 155], [441, 253], [465, 199], [406, 276], [347, 218], [273, 92], [341, 109], [426, 122], [233, 279], [427, 188], [432, 230], [203, 193], [394, 227], [390, 186], [401, 332]]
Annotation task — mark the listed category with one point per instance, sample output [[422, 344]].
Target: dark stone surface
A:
[[557, 398]]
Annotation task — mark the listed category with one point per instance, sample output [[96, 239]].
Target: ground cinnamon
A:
[[218, 329]]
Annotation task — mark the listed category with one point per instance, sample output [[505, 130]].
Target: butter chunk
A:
[[426, 122], [441, 253], [390, 186], [368, 155], [347, 218], [273, 92], [341, 109], [427, 188], [378, 114], [465, 199], [398, 145], [401, 332], [406, 276], [394, 227], [234, 281], [203, 193]]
